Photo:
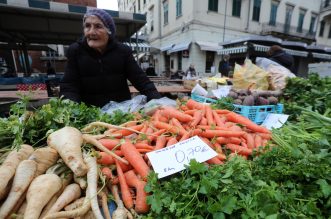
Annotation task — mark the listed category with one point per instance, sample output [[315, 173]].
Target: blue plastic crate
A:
[[256, 114], [202, 99]]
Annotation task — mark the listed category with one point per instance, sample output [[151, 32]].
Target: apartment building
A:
[[182, 32]]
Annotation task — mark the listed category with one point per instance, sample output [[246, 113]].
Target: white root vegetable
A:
[[121, 211], [45, 158], [92, 182], [67, 142], [76, 204], [66, 180], [8, 168], [39, 193], [25, 173], [104, 205], [81, 181], [70, 194], [78, 212], [92, 125], [89, 139]]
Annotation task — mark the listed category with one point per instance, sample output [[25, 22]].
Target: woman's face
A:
[[96, 33]]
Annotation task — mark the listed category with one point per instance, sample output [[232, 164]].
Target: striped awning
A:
[[142, 47], [48, 22], [234, 50], [209, 46], [296, 52], [321, 56], [179, 47]]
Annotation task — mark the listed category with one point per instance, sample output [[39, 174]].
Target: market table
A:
[[35, 95]]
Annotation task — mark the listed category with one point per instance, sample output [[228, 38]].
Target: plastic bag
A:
[[250, 76], [154, 104], [277, 72], [133, 105]]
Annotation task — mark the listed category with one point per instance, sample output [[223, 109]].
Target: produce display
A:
[[247, 97], [68, 160]]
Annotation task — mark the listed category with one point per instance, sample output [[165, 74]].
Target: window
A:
[[165, 12], [288, 18], [178, 8], [300, 21], [151, 18], [144, 2], [312, 24], [213, 5], [321, 33], [236, 8], [273, 13], [210, 56], [256, 10], [329, 36], [138, 5], [326, 3], [179, 60]]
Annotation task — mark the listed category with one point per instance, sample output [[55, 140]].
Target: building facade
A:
[[184, 32]]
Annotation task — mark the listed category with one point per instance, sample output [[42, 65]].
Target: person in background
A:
[[150, 71], [99, 67], [190, 72], [277, 54], [224, 65], [50, 70]]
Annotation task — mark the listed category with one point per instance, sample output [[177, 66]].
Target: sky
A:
[[107, 4]]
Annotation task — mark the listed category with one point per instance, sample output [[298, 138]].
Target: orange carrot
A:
[[265, 136], [171, 141], [176, 123], [141, 205], [160, 142], [250, 140], [233, 140], [222, 111], [124, 132], [107, 173], [217, 119], [170, 112], [203, 121], [217, 133], [197, 116], [105, 159], [133, 156], [140, 145], [155, 135], [184, 107], [184, 137], [209, 115], [170, 128], [109, 143], [156, 116], [192, 104], [233, 117], [258, 141], [125, 191], [190, 112], [239, 149], [214, 160]]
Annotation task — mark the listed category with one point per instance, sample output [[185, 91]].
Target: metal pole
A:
[[226, 4], [134, 10]]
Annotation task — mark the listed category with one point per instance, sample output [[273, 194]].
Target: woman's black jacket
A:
[[96, 79]]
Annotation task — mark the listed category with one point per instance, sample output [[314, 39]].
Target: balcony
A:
[[326, 10], [287, 32]]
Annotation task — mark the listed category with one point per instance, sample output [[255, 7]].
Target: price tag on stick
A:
[[173, 159]]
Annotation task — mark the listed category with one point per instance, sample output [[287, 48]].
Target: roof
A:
[[36, 21]]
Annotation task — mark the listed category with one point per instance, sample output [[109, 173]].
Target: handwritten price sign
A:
[[173, 159]]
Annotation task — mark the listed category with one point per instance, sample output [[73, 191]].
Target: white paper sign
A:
[[222, 91], [172, 159], [274, 120]]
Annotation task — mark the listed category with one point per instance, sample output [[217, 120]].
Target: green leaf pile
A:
[[291, 180]]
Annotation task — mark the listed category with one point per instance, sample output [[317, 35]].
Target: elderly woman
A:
[[98, 66], [277, 54]]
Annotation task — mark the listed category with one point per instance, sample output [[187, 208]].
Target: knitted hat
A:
[[104, 16]]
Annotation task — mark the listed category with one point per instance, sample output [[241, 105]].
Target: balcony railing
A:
[[281, 28], [326, 9]]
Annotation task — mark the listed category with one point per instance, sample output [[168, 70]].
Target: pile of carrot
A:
[[228, 133], [62, 180]]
